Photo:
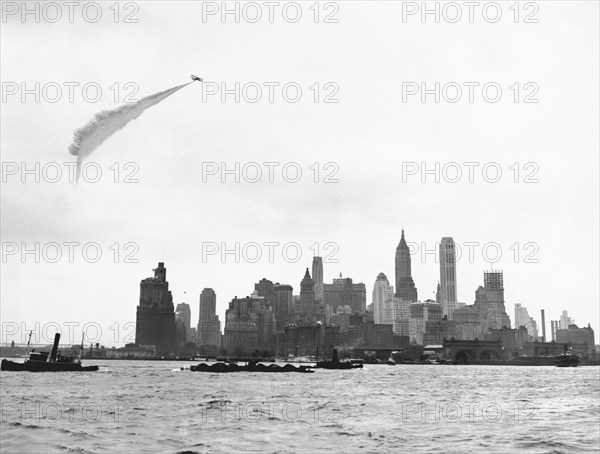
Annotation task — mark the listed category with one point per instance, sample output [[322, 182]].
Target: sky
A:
[[160, 196]]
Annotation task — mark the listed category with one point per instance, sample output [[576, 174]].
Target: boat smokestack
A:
[[543, 326], [55, 347]]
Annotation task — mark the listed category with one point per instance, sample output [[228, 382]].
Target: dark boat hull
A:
[[566, 361], [43, 366]]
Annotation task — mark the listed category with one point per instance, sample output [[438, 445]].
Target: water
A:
[[146, 406]]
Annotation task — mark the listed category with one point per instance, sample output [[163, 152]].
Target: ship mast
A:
[[28, 341], [81, 348]]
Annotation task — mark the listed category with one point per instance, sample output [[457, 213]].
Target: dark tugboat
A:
[[567, 359], [335, 363], [39, 361]]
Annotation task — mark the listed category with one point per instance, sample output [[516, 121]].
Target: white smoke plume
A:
[[104, 124]]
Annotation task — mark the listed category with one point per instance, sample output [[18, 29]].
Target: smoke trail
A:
[[104, 124]]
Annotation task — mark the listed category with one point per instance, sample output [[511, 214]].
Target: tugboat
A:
[[335, 363], [567, 359], [39, 361]]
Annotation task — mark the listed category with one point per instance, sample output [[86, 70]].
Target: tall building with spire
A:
[[155, 317], [382, 291], [307, 294], [405, 286], [317, 275]]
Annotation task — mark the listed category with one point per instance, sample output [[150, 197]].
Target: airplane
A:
[[195, 78]]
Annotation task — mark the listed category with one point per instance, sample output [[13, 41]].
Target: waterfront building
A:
[[405, 286], [382, 291], [309, 339], [155, 316], [575, 335]]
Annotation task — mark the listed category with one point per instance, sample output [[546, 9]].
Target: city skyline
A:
[[489, 297], [323, 268]]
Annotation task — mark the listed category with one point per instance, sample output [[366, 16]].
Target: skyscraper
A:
[[522, 318], [184, 312], [209, 326], [565, 320], [405, 286], [249, 325], [183, 321], [490, 299], [284, 304], [382, 291], [317, 275], [447, 271], [307, 295], [155, 317]]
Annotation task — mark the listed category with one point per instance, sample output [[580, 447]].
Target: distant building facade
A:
[[382, 291], [343, 292], [575, 335], [249, 325], [396, 312], [420, 314], [565, 320], [309, 339], [522, 318], [488, 310], [183, 313], [283, 305], [208, 331], [447, 271], [317, 276], [155, 317]]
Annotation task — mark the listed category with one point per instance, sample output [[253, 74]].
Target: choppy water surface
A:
[[144, 406]]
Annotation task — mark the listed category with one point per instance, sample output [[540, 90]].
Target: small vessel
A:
[[335, 363], [40, 362], [566, 360], [252, 366]]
